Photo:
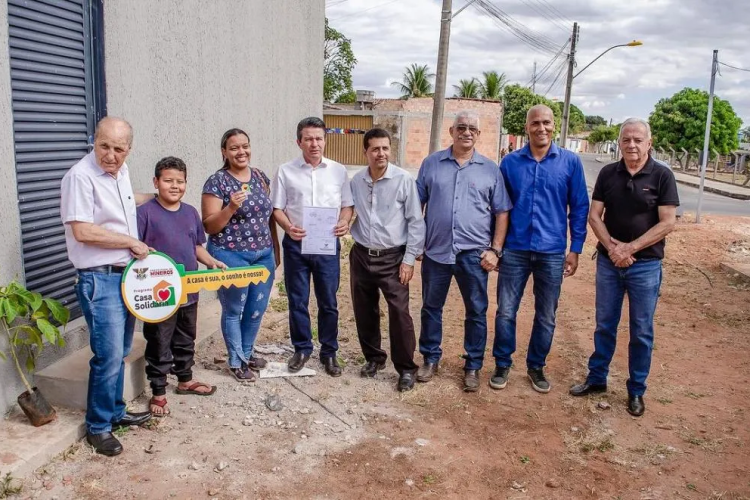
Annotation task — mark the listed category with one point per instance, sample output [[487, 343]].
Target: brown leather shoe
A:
[[471, 380], [426, 372]]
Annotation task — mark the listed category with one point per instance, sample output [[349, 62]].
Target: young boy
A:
[[174, 228]]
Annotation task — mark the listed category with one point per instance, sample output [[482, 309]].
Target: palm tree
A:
[[416, 82], [491, 88], [468, 89]]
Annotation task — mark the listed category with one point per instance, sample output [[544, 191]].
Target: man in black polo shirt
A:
[[632, 210]]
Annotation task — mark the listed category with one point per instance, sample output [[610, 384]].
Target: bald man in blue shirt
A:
[[548, 190]]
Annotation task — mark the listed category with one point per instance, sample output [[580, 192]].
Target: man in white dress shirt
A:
[[98, 210], [389, 234], [311, 180]]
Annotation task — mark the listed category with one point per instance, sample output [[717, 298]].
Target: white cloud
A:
[[678, 37]]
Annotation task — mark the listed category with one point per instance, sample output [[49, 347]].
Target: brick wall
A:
[[417, 119]]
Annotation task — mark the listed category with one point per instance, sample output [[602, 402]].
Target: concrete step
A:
[[65, 383]]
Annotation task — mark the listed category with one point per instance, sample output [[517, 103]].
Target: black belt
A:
[[377, 253], [103, 269]]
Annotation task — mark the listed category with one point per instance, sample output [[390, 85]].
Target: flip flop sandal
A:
[[191, 389], [161, 403]]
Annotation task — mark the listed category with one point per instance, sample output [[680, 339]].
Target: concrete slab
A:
[[65, 383], [276, 370], [24, 448], [743, 270]]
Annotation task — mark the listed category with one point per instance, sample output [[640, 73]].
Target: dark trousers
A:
[[325, 271], [368, 275], [170, 348]]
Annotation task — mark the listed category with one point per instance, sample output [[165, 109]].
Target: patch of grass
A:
[[664, 401], [605, 445], [315, 333], [691, 487], [695, 395], [7, 488], [587, 447], [341, 361], [360, 359], [120, 431], [429, 479], [280, 304], [525, 460], [282, 288]]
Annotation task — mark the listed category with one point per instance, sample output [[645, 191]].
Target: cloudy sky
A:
[[678, 38]]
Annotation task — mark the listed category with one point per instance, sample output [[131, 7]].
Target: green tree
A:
[[604, 133], [680, 122], [339, 61], [415, 82], [594, 120], [516, 103], [576, 121], [492, 85], [468, 89]]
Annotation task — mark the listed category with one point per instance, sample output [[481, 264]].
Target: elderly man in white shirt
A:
[[98, 210], [389, 234], [311, 181]]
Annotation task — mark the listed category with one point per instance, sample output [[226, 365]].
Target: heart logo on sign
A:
[[164, 294]]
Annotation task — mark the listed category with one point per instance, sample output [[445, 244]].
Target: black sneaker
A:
[[500, 379], [538, 381]]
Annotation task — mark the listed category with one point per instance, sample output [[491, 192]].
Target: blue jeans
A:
[[515, 269], [472, 283], [641, 282], [326, 272], [242, 308], [111, 337]]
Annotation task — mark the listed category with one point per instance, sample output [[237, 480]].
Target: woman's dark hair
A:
[[375, 133], [309, 122], [224, 138], [169, 163]]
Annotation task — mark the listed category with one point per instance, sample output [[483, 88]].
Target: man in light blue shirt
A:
[[464, 197], [548, 189]]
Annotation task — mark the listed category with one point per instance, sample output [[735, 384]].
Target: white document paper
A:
[[319, 222]]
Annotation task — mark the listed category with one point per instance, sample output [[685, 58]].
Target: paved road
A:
[[712, 203]]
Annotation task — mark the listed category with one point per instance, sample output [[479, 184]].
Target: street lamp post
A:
[[569, 88]]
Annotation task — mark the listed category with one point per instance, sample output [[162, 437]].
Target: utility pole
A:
[[569, 87], [533, 80], [438, 99], [714, 69]]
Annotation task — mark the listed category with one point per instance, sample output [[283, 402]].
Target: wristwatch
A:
[[498, 253]]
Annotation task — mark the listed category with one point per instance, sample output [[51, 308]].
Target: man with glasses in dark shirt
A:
[[633, 209]]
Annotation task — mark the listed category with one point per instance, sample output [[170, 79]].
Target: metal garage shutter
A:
[[53, 117]]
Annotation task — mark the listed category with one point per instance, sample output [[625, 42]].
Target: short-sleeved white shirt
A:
[[297, 185], [89, 194]]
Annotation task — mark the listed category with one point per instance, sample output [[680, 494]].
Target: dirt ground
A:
[[354, 438]]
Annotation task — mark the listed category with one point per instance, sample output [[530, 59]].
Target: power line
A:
[[734, 67], [554, 21], [549, 64], [538, 42], [554, 10], [560, 72]]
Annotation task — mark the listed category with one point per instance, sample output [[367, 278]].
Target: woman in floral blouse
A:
[[237, 216]]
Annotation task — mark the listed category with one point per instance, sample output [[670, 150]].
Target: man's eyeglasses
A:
[[463, 128]]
